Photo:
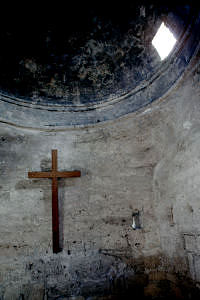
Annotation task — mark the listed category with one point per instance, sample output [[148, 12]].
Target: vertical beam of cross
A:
[[54, 174], [55, 209]]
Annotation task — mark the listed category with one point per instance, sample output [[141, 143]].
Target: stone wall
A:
[[146, 162]]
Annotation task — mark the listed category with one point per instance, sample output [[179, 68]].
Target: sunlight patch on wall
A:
[[163, 41]]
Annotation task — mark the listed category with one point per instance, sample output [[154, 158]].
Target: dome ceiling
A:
[[90, 57]]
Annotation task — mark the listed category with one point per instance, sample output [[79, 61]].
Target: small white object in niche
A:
[[136, 220]]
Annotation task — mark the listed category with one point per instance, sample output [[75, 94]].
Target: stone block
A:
[[198, 242], [191, 265], [157, 275], [151, 291], [190, 242], [197, 267]]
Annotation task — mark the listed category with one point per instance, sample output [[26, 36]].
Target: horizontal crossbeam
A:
[[56, 174]]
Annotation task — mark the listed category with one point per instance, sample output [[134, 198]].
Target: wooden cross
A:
[[54, 174]]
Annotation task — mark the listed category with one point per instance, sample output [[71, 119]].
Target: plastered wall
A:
[[146, 162]]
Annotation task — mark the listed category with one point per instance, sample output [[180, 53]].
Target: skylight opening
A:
[[164, 41]]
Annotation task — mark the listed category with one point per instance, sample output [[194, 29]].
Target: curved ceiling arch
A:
[[95, 71]]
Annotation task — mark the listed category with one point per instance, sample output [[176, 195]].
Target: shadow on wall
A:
[[106, 275]]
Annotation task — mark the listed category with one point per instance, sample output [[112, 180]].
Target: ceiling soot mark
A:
[[90, 63]]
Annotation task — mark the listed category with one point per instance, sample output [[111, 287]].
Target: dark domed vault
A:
[[90, 62]]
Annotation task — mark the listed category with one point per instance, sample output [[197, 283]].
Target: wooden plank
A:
[[68, 174], [57, 174], [40, 174], [55, 216], [54, 160]]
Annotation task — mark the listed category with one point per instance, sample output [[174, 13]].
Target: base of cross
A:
[[56, 244]]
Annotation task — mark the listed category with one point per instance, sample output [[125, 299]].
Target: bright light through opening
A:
[[164, 41]]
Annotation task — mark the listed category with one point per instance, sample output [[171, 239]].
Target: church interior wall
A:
[[145, 163]]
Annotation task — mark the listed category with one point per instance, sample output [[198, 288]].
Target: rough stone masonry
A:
[[146, 162]]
